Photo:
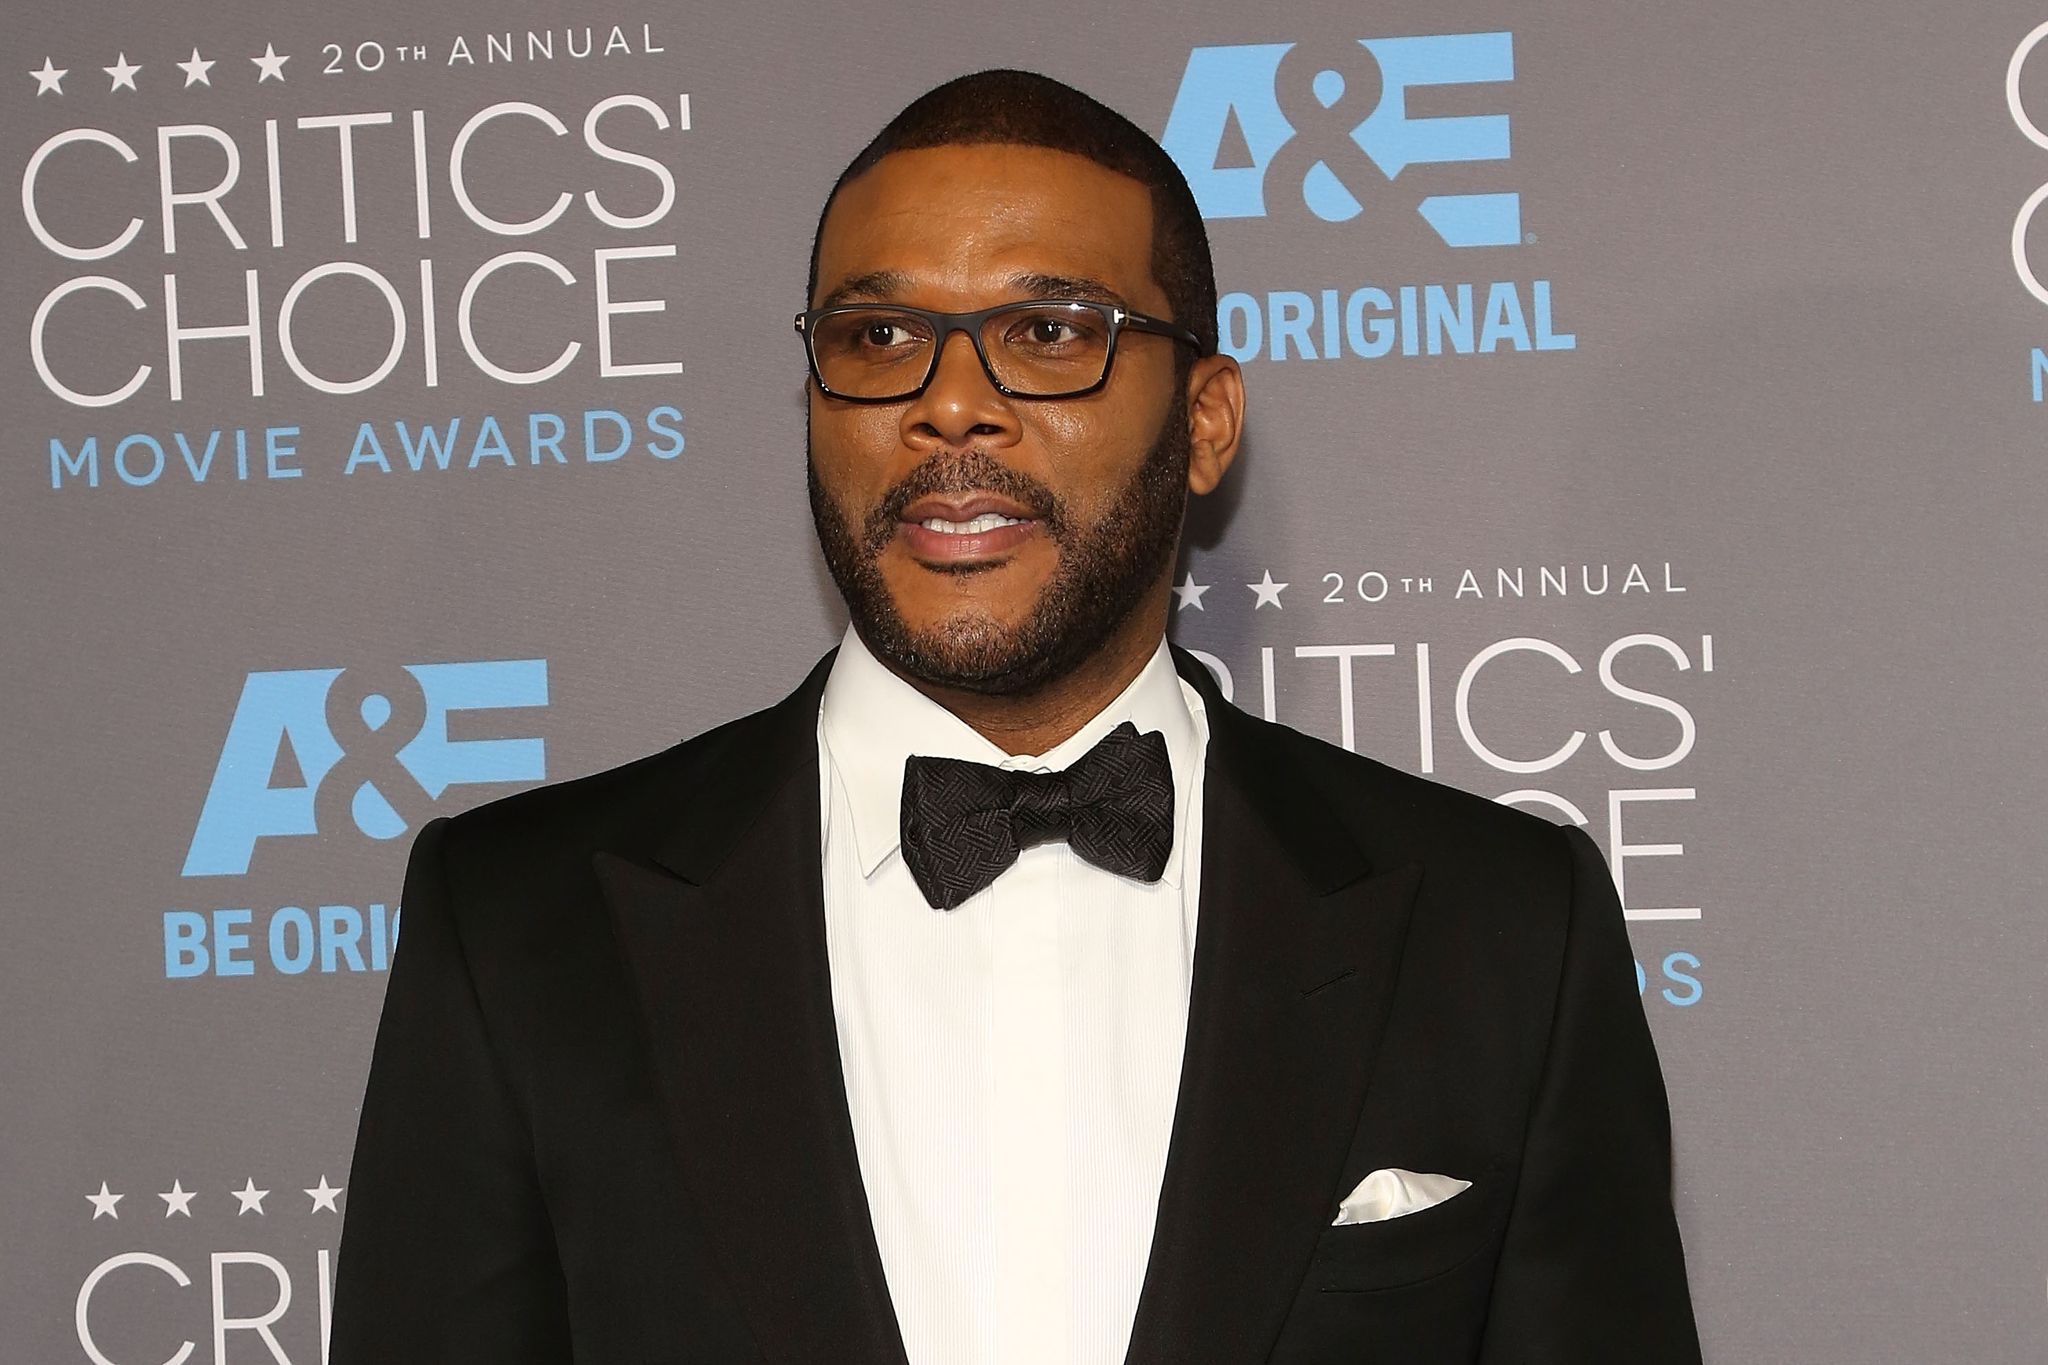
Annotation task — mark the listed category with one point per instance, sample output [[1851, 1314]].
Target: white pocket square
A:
[[1394, 1192]]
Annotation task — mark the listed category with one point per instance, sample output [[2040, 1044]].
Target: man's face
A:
[[1090, 489]]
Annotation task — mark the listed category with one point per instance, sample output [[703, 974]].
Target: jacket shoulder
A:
[[532, 837], [1398, 817]]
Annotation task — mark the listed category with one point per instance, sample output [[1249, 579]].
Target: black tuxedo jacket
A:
[[606, 1121]]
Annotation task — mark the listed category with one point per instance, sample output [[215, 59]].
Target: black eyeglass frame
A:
[[945, 324]]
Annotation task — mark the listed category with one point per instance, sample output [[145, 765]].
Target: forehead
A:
[[957, 225]]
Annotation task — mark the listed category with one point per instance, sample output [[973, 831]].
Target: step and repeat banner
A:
[[1647, 429]]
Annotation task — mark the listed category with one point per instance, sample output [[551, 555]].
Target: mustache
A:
[[970, 471]]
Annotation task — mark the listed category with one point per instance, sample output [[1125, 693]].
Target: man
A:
[[1003, 994]]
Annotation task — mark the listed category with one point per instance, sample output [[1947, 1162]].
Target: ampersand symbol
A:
[[1325, 90], [372, 714]]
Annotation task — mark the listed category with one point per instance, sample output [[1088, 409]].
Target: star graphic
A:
[[323, 1196], [196, 69], [103, 1203], [177, 1199], [123, 71], [270, 64], [1268, 591], [50, 77], [1190, 593], [251, 1197]]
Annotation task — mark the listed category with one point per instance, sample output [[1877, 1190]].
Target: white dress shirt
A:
[[1011, 1064]]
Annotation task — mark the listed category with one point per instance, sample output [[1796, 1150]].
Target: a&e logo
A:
[[1273, 128], [313, 749]]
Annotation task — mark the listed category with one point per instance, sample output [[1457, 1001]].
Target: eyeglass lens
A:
[[1041, 350]]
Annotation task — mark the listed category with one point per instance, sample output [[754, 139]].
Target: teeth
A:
[[987, 521]]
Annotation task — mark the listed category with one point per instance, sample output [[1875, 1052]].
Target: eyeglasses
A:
[[1055, 348]]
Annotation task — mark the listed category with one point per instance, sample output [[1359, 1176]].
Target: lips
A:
[[956, 530]]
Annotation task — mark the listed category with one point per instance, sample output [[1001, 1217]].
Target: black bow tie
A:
[[964, 822]]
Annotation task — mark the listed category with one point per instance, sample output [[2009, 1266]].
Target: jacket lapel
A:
[[726, 942], [1298, 945]]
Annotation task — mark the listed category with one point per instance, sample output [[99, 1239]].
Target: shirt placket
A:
[[1028, 1111]]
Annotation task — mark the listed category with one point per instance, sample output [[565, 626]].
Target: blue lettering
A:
[[1671, 972], [661, 427], [1291, 313], [184, 944], [1222, 86], [1368, 322], [156, 465], [228, 941], [1376, 338], [278, 447], [1474, 219], [380, 947], [438, 762], [1239, 342], [295, 959], [1396, 141], [202, 465], [490, 444], [367, 450], [1503, 319], [341, 933], [87, 461], [1548, 339], [241, 806], [551, 443], [591, 454], [286, 711], [1446, 320], [1226, 126], [141, 460], [431, 444]]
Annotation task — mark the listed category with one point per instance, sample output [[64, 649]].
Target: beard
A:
[[1104, 569]]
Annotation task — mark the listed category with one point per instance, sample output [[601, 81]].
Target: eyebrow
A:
[[874, 286], [877, 286], [1069, 287]]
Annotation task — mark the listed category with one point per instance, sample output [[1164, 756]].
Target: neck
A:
[[1036, 722]]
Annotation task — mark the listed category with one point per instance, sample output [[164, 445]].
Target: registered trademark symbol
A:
[[1528, 239]]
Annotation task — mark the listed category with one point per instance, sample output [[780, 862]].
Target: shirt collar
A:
[[871, 721]]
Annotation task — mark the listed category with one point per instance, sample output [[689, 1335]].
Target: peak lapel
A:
[[726, 945], [1298, 945]]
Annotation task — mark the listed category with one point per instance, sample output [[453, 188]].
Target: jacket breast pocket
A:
[[1360, 1258]]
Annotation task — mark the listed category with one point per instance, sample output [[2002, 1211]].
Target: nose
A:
[[960, 407]]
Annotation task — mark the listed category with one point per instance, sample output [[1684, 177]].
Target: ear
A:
[[1215, 420]]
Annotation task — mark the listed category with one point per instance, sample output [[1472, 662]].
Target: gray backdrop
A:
[[1747, 316]]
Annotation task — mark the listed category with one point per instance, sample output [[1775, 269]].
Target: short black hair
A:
[[1026, 109]]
